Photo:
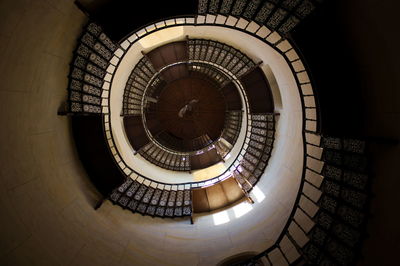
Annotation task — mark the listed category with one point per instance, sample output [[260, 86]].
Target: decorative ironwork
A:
[[264, 12], [164, 158], [89, 69], [251, 8], [289, 24], [238, 7], [336, 214], [276, 18], [354, 146], [232, 126], [148, 200], [290, 4], [332, 143], [305, 8], [226, 6], [202, 7], [214, 4]]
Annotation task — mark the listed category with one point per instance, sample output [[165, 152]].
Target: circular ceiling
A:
[[190, 112]]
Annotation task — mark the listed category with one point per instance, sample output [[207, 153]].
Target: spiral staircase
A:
[[327, 222]]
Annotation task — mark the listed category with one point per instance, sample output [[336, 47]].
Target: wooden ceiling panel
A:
[[258, 91], [135, 131], [168, 54]]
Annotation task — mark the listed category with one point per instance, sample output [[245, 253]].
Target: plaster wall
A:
[[46, 200]]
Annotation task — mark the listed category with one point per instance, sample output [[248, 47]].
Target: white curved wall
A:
[[273, 63], [121, 76], [46, 201], [118, 83]]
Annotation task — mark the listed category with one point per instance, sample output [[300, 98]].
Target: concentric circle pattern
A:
[[190, 112]]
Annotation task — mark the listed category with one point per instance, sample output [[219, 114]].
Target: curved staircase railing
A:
[[245, 161], [278, 15], [91, 65], [148, 199], [326, 223], [125, 45]]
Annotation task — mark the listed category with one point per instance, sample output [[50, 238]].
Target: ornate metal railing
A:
[[231, 59], [327, 223], [271, 39], [216, 70], [147, 199], [203, 55], [324, 225], [139, 79], [164, 158], [255, 157], [278, 15], [90, 66], [239, 160], [281, 45], [163, 154]]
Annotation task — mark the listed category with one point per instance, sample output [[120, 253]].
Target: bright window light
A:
[[260, 196], [221, 218], [242, 209]]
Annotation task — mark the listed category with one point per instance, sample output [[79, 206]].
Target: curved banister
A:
[[126, 170], [191, 184], [294, 238], [254, 35], [144, 27], [312, 81], [293, 242], [213, 180], [305, 142], [150, 135], [310, 190]]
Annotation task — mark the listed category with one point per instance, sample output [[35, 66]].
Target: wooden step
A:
[[200, 200], [217, 196], [232, 190]]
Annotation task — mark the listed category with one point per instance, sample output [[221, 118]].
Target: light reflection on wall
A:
[[221, 217], [242, 208], [239, 210], [259, 195]]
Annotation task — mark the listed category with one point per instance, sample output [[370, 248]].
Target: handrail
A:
[[197, 23], [308, 131], [312, 79], [311, 125], [305, 131], [145, 26], [148, 133], [216, 179]]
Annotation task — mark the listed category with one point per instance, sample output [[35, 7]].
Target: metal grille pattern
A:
[[134, 89], [165, 159], [278, 15], [256, 155], [337, 232], [153, 201], [221, 54], [88, 70], [233, 122]]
